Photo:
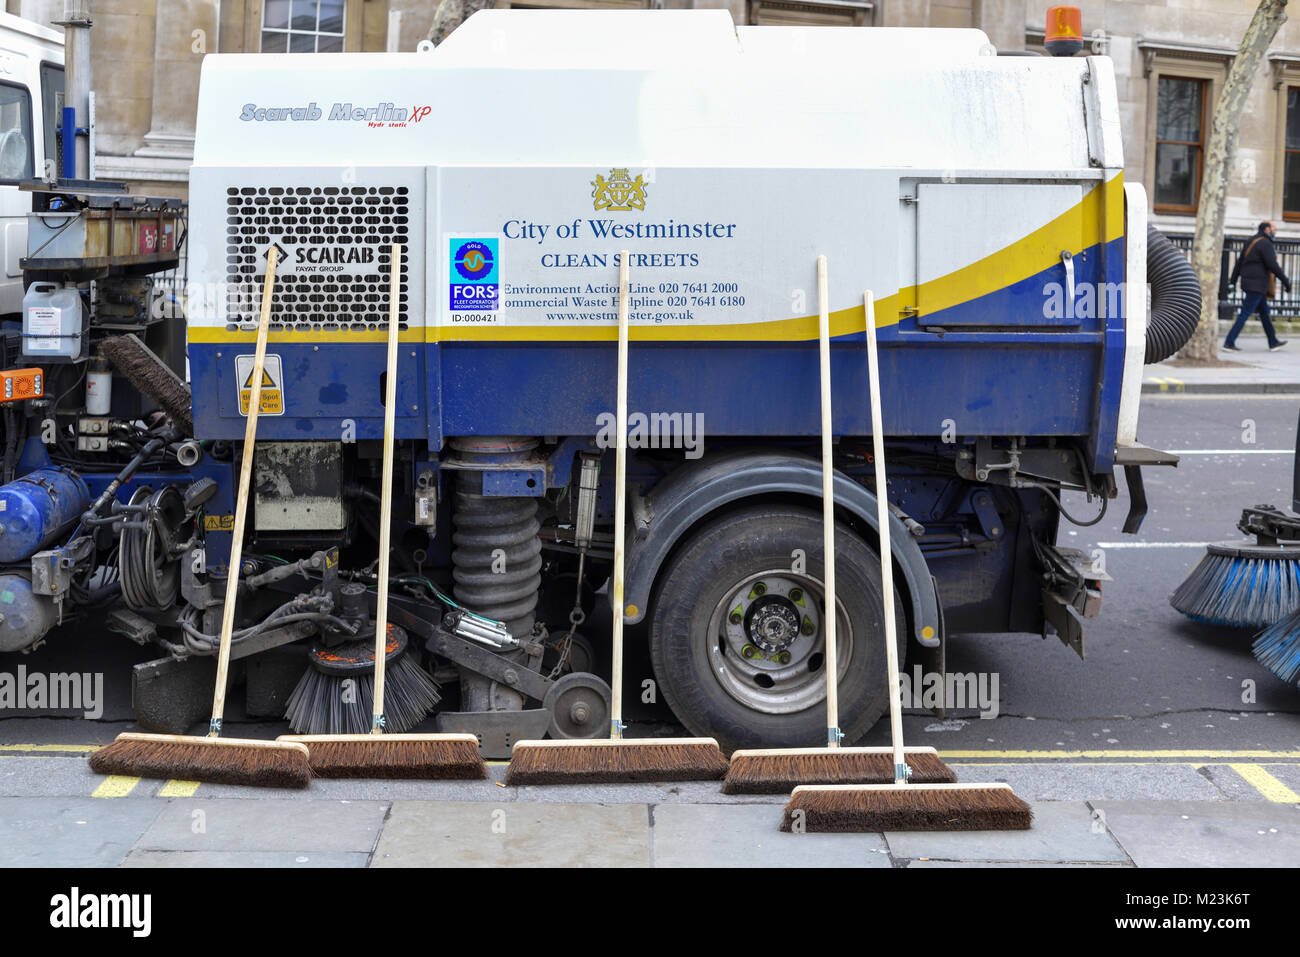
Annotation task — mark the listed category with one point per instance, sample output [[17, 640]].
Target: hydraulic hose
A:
[[1175, 298]]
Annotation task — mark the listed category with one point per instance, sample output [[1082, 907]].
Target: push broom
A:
[[900, 806], [616, 760], [380, 755], [213, 758], [777, 770]]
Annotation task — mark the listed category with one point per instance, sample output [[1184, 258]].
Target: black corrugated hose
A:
[[1175, 298]]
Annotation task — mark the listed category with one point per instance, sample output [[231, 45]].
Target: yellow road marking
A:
[[116, 786], [1267, 785], [52, 748], [1209, 755], [178, 789]]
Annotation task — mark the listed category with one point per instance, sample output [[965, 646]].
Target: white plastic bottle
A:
[[52, 322]]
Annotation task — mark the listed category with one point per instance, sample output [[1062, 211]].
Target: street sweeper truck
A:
[[980, 197]]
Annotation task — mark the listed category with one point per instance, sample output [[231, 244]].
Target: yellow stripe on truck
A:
[[1098, 218]]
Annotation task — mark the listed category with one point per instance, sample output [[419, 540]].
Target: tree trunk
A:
[[1220, 160], [451, 14]]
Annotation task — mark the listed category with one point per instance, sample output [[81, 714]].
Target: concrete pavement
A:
[[1126, 809], [1252, 370]]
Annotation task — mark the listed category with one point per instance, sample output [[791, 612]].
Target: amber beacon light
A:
[[1064, 31]]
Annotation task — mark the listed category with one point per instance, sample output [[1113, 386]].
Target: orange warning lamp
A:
[[19, 384], [1064, 31]]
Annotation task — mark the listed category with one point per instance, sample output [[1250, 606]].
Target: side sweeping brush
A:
[[1245, 585], [1278, 648], [777, 770], [898, 806], [212, 758], [1241, 585], [617, 760], [377, 754], [318, 705]]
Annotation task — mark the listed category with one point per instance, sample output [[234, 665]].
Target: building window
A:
[[1180, 126], [302, 26], [788, 13], [1291, 159]]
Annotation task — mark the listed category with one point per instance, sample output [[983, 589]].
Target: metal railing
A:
[[1283, 306]]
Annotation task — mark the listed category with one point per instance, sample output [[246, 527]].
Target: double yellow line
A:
[[121, 785], [1252, 771]]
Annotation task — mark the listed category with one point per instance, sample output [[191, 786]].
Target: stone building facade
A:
[[1171, 58]]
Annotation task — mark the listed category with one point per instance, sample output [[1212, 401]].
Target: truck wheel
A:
[[737, 638]]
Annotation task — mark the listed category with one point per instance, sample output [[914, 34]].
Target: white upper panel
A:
[[655, 88]]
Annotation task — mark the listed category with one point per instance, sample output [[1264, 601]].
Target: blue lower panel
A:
[[986, 383], [772, 388], [327, 388]]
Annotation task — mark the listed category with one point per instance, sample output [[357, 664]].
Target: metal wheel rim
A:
[[794, 686]]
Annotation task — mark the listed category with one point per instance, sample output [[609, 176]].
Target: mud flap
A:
[[932, 659], [169, 695], [1071, 593]]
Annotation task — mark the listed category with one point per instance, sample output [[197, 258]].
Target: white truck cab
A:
[[31, 98]]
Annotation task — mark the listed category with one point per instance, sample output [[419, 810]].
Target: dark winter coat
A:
[[1253, 269]]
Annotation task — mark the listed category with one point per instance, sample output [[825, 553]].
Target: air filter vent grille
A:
[[335, 240]]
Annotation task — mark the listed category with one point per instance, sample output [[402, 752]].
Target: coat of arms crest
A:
[[620, 191]]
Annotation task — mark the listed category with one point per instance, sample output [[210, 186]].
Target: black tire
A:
[[707, 568]]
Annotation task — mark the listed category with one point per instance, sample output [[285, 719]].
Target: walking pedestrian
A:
[[1257, 269]]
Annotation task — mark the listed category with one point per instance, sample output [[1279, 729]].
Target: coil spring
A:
[[496, 555]]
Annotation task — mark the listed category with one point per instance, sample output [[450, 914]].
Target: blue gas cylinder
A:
[[36, 508]]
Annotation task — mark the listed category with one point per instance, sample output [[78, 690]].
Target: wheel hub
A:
[[773, 624], [769, 651]]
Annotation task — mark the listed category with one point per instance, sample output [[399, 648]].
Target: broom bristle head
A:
[[906, 807], [1241, 586], [212, 760], [450, 757], [629, 761], [777, 772]]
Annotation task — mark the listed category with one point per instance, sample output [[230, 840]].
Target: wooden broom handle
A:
[[620, 505], [828, 510], [886, 552], [386, 487], [241, 498]]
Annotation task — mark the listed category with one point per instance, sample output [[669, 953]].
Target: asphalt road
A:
[[1152, 680]]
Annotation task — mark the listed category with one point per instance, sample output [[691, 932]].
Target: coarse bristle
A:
[[396, 756], [213, 760], [318, 704], [1238, 591], [777, 772], [907, 807], [1278, 648], [632, 761], [148, 373]]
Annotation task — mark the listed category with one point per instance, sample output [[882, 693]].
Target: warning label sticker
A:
[[272, 395]]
